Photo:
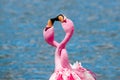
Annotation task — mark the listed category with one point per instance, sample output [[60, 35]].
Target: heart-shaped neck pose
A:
[[63, 69]]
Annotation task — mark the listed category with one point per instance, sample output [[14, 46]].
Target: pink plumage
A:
[[63, 69]]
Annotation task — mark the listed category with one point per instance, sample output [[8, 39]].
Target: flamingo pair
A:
[[63, 69]]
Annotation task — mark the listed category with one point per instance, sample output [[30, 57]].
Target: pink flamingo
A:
[[63, 69]]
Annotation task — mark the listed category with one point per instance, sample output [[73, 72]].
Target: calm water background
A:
[[24, 55]]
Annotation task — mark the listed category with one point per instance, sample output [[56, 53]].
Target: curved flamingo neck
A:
[[68, 27], [61, 57], [49, 37]]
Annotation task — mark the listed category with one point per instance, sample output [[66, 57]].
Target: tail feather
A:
[[83, 72], [92, 73]]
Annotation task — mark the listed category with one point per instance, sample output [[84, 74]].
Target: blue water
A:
[[24, 55]]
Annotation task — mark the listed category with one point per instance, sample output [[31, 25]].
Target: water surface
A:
[[24, 55]]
